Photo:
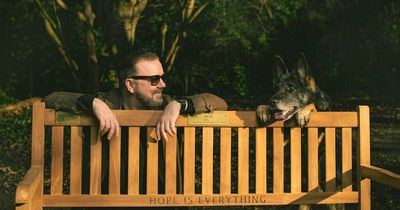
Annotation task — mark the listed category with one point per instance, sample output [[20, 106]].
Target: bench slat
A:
[[207, 161], [261, 160], [57, 134], [330, 160], [95, 161], [295, 159], [234, 119], [278, 161], [152, 162], [114, 185], [225, 160], [200, 200], [189, 155], [312, 159], [76, 161], [133, 160], [170, 165], [243, 161], [347, 162]]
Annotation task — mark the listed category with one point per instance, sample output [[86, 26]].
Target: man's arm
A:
[[205, 102], [78, 103]]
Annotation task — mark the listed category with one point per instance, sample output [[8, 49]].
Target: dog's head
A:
[[293, 90]]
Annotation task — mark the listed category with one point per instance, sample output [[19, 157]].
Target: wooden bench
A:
[[251, 167]]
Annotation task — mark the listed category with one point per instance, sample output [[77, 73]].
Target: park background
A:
[[223, 46]]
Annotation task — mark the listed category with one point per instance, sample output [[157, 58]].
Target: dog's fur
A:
[[296, 94]]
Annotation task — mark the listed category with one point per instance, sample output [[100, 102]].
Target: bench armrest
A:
[[29, 185], [380, 175]]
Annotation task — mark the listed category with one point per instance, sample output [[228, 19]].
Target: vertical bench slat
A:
[[243, 161], [95, 161], [295, 159], [207, 161], [170, 165], [261, 160], [189, 151], [346, 157], [114, 185], [133, 160], [312, 159], [38, 134], [152, 162], [330, 159], [57, 134], [76, 161], [278, 160], [363, 153], [225, 160]]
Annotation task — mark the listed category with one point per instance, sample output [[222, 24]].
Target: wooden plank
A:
[[295, 159], [170, 165], [76, 161], [38, 134], [346, 160], [363, 153], [114, 182], [133, 160], [207, 161], [243, 160], [200, 200], [313, 159], [30, 183], [152, 162], [225, 160], [95, 161], [57, 135], [234, 119], [189, 154], [278, 161], [261, 160], [381, 175], [330, 160]]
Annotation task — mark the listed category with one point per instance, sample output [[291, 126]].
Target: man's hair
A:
[[127, 66]]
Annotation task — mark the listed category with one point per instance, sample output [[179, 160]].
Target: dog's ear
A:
[[303, 70], [280, 69]]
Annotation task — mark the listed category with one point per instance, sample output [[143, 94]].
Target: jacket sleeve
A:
[[207, 102], [63, 101]]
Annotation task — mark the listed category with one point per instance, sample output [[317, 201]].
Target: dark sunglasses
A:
[[154, 79]]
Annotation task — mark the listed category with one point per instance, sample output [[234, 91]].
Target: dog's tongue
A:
[[281, 115]]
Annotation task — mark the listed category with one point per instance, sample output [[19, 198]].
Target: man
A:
[[141, 79]]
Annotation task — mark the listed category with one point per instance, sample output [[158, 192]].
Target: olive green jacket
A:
[[66, 101]]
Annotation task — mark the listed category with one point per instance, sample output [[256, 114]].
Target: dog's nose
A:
[[273, 102]]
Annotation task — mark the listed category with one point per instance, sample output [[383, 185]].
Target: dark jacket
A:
[[66, 101]]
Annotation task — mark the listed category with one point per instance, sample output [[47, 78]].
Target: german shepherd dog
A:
[[296, 95]]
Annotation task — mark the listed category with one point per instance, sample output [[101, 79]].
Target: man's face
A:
[[146, 93]]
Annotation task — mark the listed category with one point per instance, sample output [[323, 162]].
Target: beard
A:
[[150, 102]]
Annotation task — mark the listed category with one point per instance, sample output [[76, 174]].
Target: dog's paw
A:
[[303, 116], [263, 113]]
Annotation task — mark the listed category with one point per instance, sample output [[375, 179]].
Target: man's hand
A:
[[166, 125], [107, 119]]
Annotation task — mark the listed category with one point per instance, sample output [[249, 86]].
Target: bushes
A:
[[15, 147]]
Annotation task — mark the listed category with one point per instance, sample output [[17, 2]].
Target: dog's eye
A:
[[290, 86]]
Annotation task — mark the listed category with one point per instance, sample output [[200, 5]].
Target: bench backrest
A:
[[228, 159]]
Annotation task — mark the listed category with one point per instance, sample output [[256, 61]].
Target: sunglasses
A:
[[154, 79]]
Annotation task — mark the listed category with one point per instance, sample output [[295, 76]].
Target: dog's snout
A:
[[273, 101]]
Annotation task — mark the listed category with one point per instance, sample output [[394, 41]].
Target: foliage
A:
[[15, 147]]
